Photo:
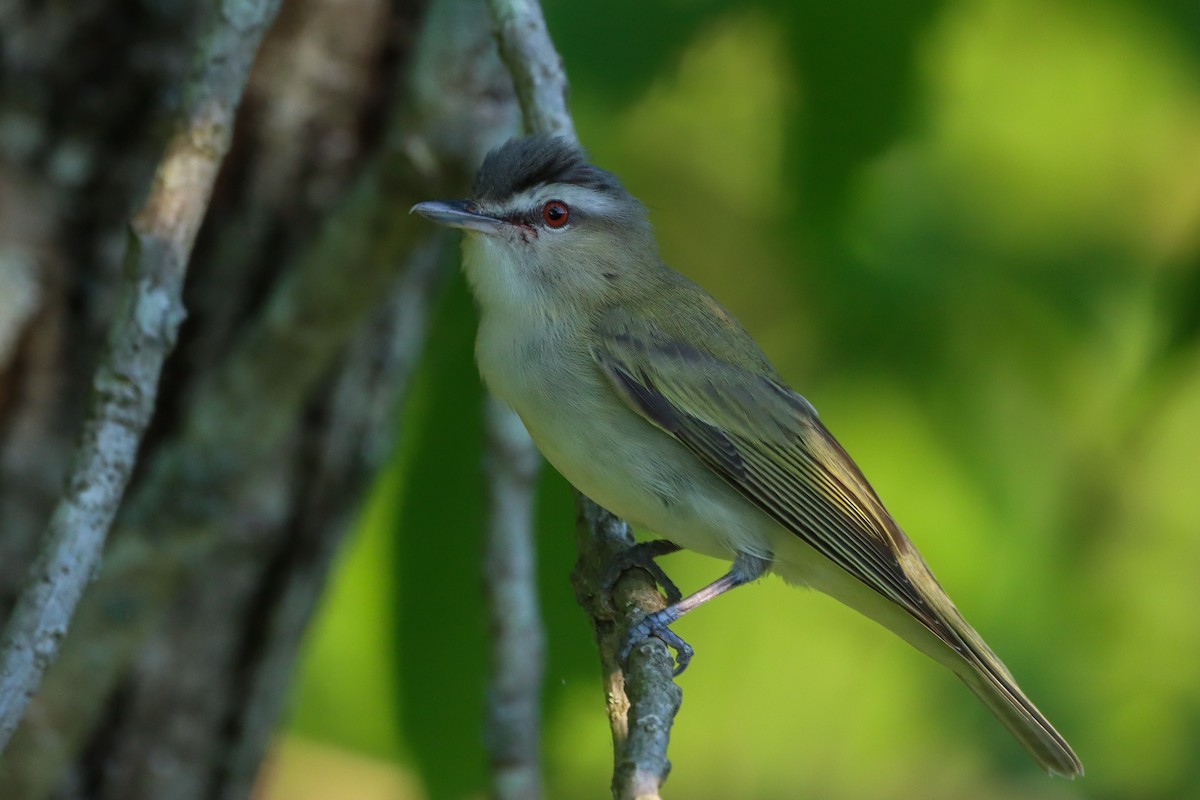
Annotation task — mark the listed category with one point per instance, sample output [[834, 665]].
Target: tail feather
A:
[[940, 631], [979, 668], [1015, 711]]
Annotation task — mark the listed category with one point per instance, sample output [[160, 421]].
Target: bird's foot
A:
[[658, 625], [642, 556]]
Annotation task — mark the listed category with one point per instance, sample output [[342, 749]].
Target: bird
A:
[[653, 401]]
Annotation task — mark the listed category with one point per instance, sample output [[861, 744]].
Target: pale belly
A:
[[612, 455], [639, 473], [663, 488]]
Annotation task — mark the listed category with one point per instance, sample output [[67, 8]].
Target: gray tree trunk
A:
[[306, 301]]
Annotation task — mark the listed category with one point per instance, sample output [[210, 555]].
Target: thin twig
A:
[[536, 67], [142, 333], [642, 700], [513, 705], [513, 714]]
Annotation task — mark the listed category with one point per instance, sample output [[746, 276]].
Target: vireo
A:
[[651, 399]]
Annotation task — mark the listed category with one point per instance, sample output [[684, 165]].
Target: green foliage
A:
[[967, 233], [439, 607]]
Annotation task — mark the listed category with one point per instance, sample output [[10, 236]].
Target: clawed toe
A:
[[658, 626], [642, 556]]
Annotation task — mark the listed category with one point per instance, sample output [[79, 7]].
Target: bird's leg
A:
[[642, 556], [746, 568]]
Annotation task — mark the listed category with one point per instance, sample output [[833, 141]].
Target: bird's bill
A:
[[458, 214]]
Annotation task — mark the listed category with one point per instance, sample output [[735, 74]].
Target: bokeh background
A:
[[968, 233]]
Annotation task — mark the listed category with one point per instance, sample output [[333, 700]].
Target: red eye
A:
[[556, 213]]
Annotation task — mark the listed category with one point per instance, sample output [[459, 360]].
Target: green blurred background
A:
[[967, 232]]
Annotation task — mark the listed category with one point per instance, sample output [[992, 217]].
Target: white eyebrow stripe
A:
[[589, 201]]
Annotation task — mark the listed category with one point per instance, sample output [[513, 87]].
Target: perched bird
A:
[[652, 400]]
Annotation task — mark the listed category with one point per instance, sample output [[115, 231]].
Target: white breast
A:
[[606, 450]]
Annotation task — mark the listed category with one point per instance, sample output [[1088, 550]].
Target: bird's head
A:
[[547, 230]]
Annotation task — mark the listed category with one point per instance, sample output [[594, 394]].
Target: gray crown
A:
[[521, 164]]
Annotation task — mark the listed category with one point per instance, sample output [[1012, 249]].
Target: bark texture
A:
[[307, 301], [141, 336]]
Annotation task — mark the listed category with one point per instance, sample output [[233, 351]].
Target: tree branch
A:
[[642, 701], [142, 333], [536, 67], [358, 439], [642, 697], [215, 482], [513, 703]]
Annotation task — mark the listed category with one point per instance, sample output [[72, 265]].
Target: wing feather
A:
[[767, 443], [770, 446]]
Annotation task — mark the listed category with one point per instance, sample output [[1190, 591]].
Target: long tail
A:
[[986, 676], [992, 684], [977, 666], [939, 630]]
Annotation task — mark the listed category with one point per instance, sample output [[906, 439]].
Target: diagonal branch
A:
[[210, 485], [142, 333], [536, 67], [642, 700]]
